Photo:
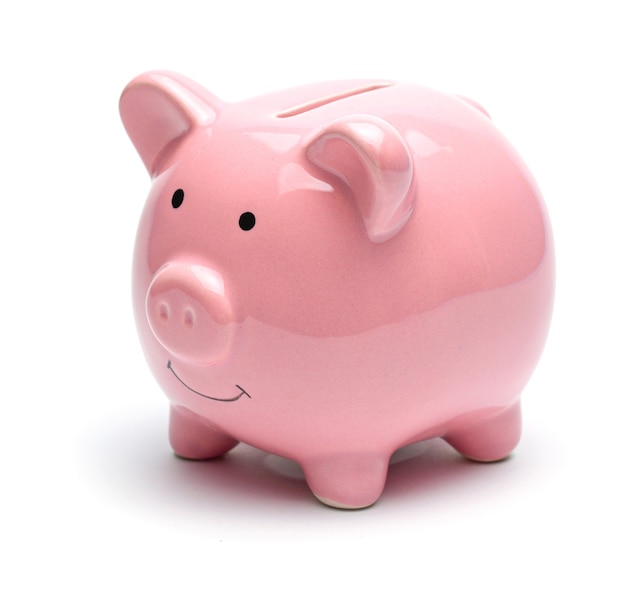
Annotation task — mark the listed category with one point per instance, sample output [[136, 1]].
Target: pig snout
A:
[[189, 313]]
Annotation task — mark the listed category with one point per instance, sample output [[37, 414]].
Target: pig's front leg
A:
[[193, 438], [348, 481], [488, 437]]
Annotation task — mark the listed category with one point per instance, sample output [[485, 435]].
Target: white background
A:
[[94, 504]]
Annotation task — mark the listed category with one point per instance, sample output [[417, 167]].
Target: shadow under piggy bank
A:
[[137, 466]]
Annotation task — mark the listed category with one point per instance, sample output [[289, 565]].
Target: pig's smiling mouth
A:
[[243, 391]]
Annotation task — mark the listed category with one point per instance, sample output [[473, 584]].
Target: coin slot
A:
[[329, 99]]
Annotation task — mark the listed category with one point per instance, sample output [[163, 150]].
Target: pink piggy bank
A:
[[332, 272]]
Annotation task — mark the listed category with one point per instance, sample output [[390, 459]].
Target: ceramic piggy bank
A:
[[332, 272]]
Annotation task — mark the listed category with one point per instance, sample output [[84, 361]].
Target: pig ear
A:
[[475, 105], [160, 108], [371, 157]]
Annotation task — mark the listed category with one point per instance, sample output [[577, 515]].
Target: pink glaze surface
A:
[[335, 271]]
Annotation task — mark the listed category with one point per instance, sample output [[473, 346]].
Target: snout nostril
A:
[[189, 318], [189, 314], [164, 312]]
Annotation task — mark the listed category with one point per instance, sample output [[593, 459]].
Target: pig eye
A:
[[177, 198], [247, 220]]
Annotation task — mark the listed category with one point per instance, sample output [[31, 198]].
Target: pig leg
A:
[[348, 481], [490, 437], [193, 438]]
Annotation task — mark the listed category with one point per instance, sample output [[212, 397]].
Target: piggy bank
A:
[[335, 271]]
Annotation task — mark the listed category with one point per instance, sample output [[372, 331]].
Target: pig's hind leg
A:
[[487, 435]]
